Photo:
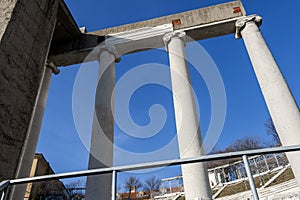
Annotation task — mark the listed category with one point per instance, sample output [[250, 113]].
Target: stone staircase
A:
[[172, 196], [288, 190], [276, 191], [283, 191]]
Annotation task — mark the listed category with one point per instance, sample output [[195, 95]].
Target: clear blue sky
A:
[[246, 110]]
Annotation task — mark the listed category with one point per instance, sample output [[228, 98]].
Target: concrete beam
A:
[[198, 24]]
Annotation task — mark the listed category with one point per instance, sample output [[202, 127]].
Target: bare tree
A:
[[216, 163], [132, 183], [246, 143], [47, 189], [75, 189], [119, 192], [152, 184], [271, 130]]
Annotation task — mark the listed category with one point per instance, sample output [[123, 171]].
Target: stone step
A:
[[280, 186], [271, 192], [293, 181], [276, 189]]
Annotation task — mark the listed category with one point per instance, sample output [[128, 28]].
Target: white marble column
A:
[[278, 97], [101, 150], [28, 152], [195, 176]]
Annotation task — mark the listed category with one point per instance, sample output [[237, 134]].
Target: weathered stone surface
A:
[[7, 8], [101, 150], [26, 28], [281, 103], [188, 19], [195, 177], [198, 24]]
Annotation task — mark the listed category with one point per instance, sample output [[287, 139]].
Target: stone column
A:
[[278, 97], [101, 150], [195, 176], [31, 141]]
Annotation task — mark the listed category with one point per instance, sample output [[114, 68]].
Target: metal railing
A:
[[240, 154]]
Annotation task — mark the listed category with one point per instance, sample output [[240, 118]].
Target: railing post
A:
[[265, 159], [4, 188], [250, 177], [275, 156], [261, 181], [114, 185], [4, 194]]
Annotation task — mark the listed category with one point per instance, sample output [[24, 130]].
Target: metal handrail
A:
[[6, 183]]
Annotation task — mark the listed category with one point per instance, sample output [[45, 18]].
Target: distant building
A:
[[171, 185], [54, 190], [134, 195], [125, 195]]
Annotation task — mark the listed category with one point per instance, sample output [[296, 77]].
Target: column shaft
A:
[[101, 150], [278, 97], [32, 138], [195, 176]]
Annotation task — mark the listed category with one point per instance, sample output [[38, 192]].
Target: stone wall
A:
[[26, 28]]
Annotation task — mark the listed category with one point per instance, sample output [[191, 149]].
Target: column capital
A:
[[241, 23], [112, 50], [168, 36], [54, 68]]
